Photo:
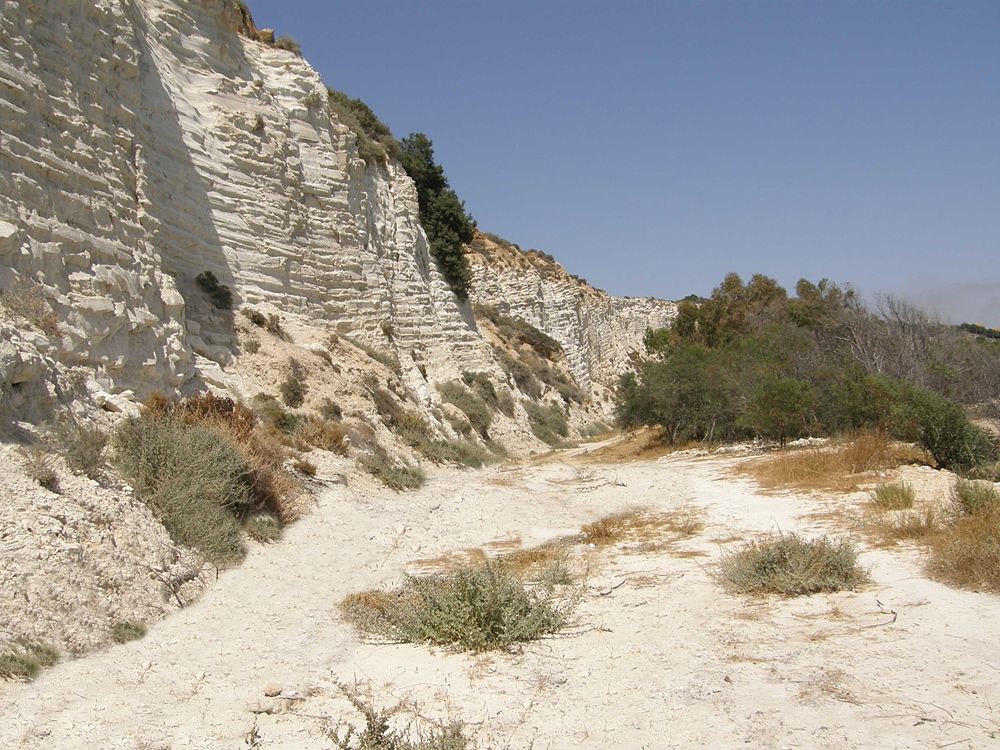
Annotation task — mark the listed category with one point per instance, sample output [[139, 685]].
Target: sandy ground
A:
[[665, 660]]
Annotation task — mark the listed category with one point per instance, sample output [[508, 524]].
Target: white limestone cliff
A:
[[599, 333]]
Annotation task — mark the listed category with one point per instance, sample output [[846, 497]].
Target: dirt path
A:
[[665, 660]]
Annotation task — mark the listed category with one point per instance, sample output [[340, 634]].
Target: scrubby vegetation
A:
[[479, 608], [127, 630], [27, 301], [220, 294], [82, 446], [27, 661], [547, 422], [473, 406], [894, 496], [790, 565], [443, 216], [967, 552], [204, 467], [752, 361], [38, 465], [379, 733], [388, 359], [375, 141], [518, 332], [294, 387], [396, 474]]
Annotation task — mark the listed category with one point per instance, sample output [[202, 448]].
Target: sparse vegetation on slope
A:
[[547, 422], [27, 661], [376, 143], [204, 468]]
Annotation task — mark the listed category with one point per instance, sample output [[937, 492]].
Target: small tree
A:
[[779, 408]]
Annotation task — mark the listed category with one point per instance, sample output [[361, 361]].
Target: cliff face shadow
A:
[[179, 221]]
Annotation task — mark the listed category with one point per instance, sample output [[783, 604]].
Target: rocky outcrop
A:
[[147, 142], [599, 333]]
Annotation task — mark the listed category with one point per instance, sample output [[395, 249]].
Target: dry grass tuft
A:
[[790, 565], [972, 497], [27, 301], [38, 466], [641, 526], [128, 630], [841, 466], [967, 553], [908, 525], [895, 496], [25, 662]]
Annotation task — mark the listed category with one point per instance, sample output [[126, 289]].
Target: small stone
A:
[[272, 689]]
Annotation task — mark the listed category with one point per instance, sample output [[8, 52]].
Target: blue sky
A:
[[654, 146]]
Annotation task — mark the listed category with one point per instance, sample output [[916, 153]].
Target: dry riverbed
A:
[[658, 656]]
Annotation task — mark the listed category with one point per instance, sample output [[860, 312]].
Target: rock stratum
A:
[[147, 142]]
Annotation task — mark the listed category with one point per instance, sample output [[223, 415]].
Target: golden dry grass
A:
[[886, 529], [645, 444], [967, 554], [841, 466]]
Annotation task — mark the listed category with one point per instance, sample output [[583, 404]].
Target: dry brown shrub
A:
[[27, 300], [842, 466], [324, 434], [306, 467], [968, 553], [641, 526]]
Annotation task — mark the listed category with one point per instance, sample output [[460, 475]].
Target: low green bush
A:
[[972, 497], [220, 294], [472, 609], [27, 661], [790, 565], [128, 630], [195, 480], [396, 475], [294, 387], [474, 408], [896, 496], [81, 446], [547, 422]]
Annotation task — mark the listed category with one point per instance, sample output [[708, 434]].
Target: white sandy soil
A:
[[666, 660]]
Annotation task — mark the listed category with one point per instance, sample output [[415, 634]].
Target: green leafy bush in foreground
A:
[[472, 609]]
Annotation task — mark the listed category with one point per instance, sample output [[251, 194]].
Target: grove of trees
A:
[[754, 361]]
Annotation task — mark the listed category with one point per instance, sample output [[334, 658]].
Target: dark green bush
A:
[[220, 294], [294, 388], [443, 216], [942, 427]]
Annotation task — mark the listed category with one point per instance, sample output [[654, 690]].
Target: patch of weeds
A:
[[481, 608], [790, 565], [81, 446], [128, 630], [396, 475], [306, 467], [26, 662], [330, 410], [594, 429], [263, 528], [378, 732], [474, 408], [254, 316], [416, 433], [322, 433], [294, 388], [387, 359], [548, 422], [271, 412], [895, 496], [27, 301], [38, 466], [518, 332], [907, 525], [973, 497], [288, 44], [251, 346], [220, 294], [967, 554]]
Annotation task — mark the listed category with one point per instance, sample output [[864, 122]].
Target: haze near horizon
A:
[[652, 148]]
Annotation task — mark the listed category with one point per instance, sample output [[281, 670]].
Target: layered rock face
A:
[[599, 333], [147, 142]]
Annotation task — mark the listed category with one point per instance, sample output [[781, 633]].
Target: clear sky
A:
[[653, 147]]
